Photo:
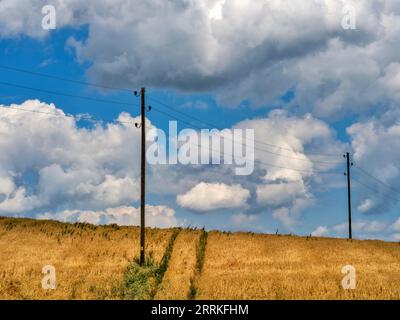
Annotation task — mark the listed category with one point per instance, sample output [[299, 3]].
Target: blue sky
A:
[[284, 85]]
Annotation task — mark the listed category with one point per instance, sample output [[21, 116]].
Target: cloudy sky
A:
[[297, 72]]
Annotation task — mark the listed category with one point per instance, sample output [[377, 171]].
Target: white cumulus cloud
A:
[[278, 194], [320, 231], [156, 216], [48, 161], [376, 157], [212, 196], [240, 50]]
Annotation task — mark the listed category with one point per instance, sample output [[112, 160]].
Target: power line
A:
[[373, 189], [65, 94], [36, 111], [376, 179], [261, 150], [126, 122], [154, 99], [257, 141], [96, 119], [97, 85], [256, 160], [296, 158], [123, 103], [102, 86]]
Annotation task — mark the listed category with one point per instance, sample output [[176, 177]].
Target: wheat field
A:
[[249, 266], [91, 261], [176, 281]]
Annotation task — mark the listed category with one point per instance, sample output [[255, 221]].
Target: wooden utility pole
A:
[[348, 165], [143, 176]]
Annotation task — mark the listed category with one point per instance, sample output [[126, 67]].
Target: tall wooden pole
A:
[[143, 177], [349, 191]]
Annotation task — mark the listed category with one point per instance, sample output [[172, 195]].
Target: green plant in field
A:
[[200, 253], [201, 250], [166, 257], [141, 282], [192, 289]]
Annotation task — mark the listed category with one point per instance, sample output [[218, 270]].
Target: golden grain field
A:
[[176, 282], [247, 266], [91, 261]]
